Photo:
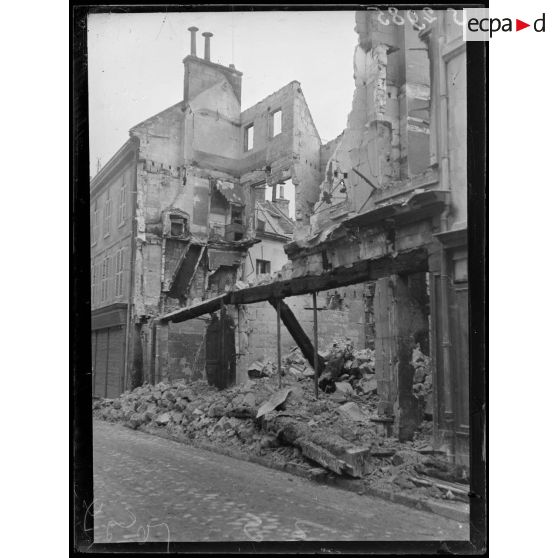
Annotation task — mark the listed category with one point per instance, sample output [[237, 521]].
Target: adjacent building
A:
[[179, 214]]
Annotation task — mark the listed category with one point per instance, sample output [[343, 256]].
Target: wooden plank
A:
[[297, 333], [316, 356], [323, 457]]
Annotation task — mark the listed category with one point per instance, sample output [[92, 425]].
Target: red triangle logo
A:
[[519, 25]]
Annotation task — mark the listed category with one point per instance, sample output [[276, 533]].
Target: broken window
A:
[[107, 215], [262, 267], [249, 137], [122, 204], [276, 123], [178, 225]]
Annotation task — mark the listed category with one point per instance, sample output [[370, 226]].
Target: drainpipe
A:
[[445, 183], [132, 269]]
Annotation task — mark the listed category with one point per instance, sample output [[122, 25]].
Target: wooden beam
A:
[[297, 333], [316, 356], [360, 272]]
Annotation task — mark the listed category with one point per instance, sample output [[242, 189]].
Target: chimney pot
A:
[[193, 31], [207, 52]]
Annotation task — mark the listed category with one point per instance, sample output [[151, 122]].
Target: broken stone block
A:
[[163, 419], [269, 441], [338, 397], [352, 412], [403, 481], [323, 457], [369, 386], [176, 417], [257, 369], [275, 401], [366, 368], [344, 387], [308, 373], [216, 411], [249, 400], [135, 421]]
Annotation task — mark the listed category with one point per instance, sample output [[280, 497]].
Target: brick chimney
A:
[[207, 49], [193, 31], [202, 73]]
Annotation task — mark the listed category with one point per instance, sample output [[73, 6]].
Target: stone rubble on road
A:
[[333, 434]]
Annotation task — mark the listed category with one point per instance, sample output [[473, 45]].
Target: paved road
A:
[[152, 489]]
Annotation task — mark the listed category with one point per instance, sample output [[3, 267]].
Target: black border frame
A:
[[81, 495]]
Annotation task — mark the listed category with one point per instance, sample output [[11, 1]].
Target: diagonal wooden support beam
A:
[[297, 333]]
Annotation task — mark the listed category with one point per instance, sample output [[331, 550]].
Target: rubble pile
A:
[[422, 381], [348, 370], [332, 435]]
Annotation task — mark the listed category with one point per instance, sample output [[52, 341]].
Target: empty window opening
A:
[[276, 123], [285, 192], [236, 214], [249, 137], [178, 225], [263, 266]]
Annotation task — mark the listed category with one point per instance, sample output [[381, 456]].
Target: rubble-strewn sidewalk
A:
[[337, 436]]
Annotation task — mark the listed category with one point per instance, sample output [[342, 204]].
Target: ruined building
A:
[[379, 236], [179, 213]]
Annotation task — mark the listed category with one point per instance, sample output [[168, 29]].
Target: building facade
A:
[[179, 215]]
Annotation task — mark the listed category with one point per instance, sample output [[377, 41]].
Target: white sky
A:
[[135, 65]]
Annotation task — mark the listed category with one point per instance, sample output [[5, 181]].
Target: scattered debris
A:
[[339, 433], [276, 400]]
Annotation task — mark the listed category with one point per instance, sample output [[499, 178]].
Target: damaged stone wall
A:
[[401, 323], [294, 154], [386, 141], [342, 315], [186, 350]]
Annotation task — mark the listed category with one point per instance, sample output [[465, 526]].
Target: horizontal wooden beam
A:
[[360, 272]]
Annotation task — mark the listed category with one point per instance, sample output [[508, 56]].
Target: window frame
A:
[[119, 274], [123, 205], [107, 217], [247, 129], [273, 133], [95, 227], [267, 265]]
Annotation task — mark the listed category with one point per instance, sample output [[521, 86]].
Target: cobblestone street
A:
[[152, 489]]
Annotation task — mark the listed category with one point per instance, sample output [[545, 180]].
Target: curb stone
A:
[[456, 512]]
